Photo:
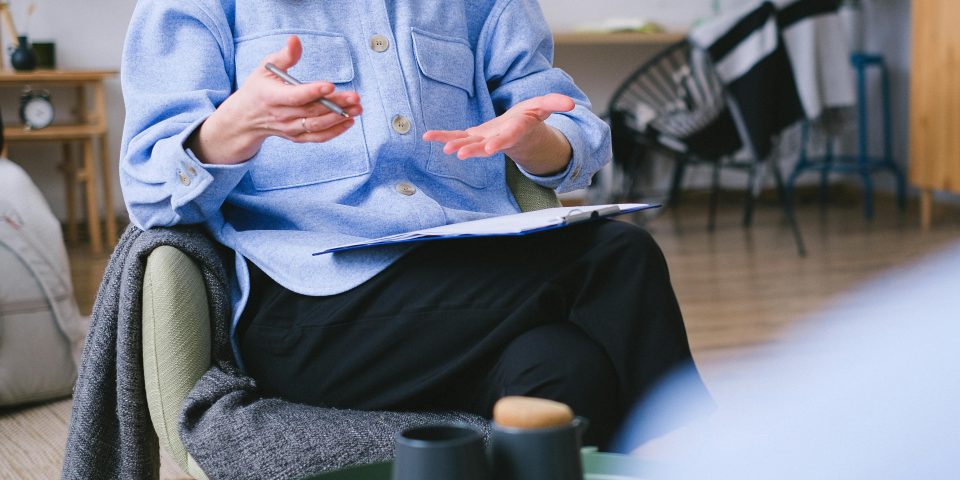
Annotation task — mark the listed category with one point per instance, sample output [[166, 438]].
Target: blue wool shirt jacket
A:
[[436, 64]]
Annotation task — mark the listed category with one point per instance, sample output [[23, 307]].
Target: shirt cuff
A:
[[552, 181], [207, 185], [569, 179]]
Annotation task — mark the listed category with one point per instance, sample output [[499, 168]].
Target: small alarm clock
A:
[[36, 109]]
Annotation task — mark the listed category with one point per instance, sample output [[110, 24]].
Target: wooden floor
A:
[[741, 290]]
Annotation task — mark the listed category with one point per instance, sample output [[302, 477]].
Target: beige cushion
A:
[[41, 330], [176, 343]]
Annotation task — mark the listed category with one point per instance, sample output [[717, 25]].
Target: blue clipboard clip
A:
[[576, 216]]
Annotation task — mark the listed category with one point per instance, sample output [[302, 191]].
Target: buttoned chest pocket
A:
[[285, 164], [447, 92]]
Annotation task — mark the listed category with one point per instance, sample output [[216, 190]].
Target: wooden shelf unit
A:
[[66, 77], [935, 101], [89, 131], [19, 133]]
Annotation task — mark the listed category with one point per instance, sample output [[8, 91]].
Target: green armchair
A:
[[177, 331]]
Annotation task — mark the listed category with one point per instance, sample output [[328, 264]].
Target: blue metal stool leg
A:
[[863, 160], [825, 172], [865, 164], [888, 141]]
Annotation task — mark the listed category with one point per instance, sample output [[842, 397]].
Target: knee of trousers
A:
[[559, 362], [624, 238]]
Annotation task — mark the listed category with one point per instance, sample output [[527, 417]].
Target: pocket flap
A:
[[445, 59], [326, 56]]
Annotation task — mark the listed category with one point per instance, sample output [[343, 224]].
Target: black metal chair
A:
[[675, 104]]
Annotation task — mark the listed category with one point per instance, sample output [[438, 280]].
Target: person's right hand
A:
[[266, 107]]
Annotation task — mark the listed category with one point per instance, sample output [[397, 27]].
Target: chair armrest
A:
[[176, 343], [529, 195]]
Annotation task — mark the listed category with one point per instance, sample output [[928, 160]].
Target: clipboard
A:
[[506, 225]]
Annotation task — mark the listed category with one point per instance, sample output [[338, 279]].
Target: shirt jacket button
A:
[[401, 124], [379, 43], [575, 173], [406, 189]]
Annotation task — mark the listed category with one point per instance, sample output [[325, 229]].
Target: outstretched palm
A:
[[505, 133]]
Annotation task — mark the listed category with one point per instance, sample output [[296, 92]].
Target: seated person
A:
[[437, 93]]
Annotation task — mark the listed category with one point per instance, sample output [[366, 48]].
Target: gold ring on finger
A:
[[303, 123]]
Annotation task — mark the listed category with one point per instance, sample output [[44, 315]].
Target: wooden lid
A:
[[528, 412]]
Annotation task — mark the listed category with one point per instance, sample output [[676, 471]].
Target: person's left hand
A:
[[517, 133]]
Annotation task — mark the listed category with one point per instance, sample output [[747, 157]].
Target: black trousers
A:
[[585, 315]]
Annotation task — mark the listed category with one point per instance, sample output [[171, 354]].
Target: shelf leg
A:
[[69, 168], [926, 208], [111, 218], [93, 214]]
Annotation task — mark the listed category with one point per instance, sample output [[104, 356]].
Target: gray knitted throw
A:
[[226, 426]]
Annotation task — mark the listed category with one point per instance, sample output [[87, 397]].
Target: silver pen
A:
[[293, 81]]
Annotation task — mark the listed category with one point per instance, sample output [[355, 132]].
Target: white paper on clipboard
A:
[[506, 225]]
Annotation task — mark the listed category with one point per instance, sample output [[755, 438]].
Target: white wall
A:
[[673, 14], [90, 33]]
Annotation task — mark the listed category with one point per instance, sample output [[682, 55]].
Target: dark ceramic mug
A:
[[551, 453], [440, 453]]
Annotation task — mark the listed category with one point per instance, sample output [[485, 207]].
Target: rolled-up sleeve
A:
[[518, 63], [176, 69]]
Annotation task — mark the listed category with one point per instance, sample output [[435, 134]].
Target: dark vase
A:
[[22, 57]]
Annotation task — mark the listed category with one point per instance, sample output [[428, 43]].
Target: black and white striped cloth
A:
[[781, 61]]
